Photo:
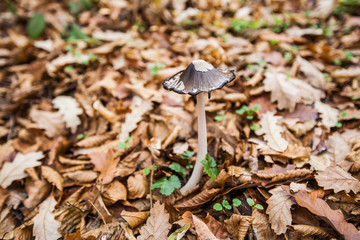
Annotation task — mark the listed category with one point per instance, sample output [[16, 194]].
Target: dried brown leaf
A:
[[307, 230], [346, 72], [329, 115], [337, 179], [338, 147], [138, 186], [51, 122], [69, 108], [262, 227], [199, 199], [293, 151], [37, 191], [12, 171], [238, 225], [82, 176], [279, 205], [114, 192], [106, 164], [216, 227], [93, 141], [272, 131], [135, 219], [202, 230], [52, 177], [157, 225]]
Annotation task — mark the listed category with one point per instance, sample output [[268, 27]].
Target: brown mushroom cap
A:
[[199, 76]]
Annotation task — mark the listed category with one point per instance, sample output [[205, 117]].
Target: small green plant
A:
[[327, 77], [348, 55], [75, 33], [226, 205], [123, 145], [240, 25], [36, 25], [346, 6], [252, 204], [140, 27], [11, 6], [288, 56], [210, 166], [219, 117], [273, 42], [307, 14], [82, 135], [249, 111], [337, 62], [177, 168], [146, 171], [187, 155], [254, 127], [354, 98], [280, 25], [154, 68], [167, 185]]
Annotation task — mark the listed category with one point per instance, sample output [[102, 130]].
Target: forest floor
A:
[[93, 147]]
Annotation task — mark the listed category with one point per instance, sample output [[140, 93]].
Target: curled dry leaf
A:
[[114, 192], [45, 224], [137, 186], [52, 177], [37, 191], [307, 230], [12, 171], [93, 141], [293, 151], [238, 225], [337, 179], [202, 229], [272, 131], [216, 227], [198, 199], [279, 205], [321, 208], [157, 225], [69, 108], [82, 176], [106, 164], [135, 219]]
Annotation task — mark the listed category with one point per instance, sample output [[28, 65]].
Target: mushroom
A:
[[199, 78]]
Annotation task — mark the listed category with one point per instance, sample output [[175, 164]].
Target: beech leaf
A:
[[70, 110], [12, 171], [157, 225], [337, 179], [45, 224], [329, 115], [272, 131], [51, 122], [279, 211]]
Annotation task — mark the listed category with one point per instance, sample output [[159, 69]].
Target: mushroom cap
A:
[[199, 76]]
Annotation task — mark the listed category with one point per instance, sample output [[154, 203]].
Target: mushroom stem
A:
[[202, 144]]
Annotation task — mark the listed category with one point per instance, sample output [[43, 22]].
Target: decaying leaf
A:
[[328, 114], [12, 171], [338, 147], [138, 186], [45, 224], [135, 218], [262, 227], [52, 176], [238, 225], [106, 164], [269, 127], [202, 230], [114, 192], [69, 108], [199, 199], [337, 179], [51, 122], [279, 210], [157, 225], [307, 230]]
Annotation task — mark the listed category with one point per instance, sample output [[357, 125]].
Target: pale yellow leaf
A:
[[272, 131], [69, 108], [329, 115], [320, 162], [279, 205], [337, 179], [138, 109], [289, 91], [15, 170], [51, 122], [52, 176], [45, 224], [324, 8], [157, 225]]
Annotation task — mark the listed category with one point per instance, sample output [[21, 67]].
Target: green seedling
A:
[[219, 117], [249, 111], [252, 204], [82, 135], [123, 145], [187, 155], [337, 62], [327, 77], [210, 166], [140, 27], [348, 55], [254, 127], [226, 205], [35, 26], [146, 171], [154, 68], [167, 185], [177, 168]]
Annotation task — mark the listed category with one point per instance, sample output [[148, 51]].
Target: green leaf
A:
[[146, 171], [177, 168], [76, 33], [250, 202], [183, 229], [259, 206], [338, 125], [218, 207], [154, 68], [242, 110], [226, 205], [254, 127], [337, 62], [236, 202], [256, 107], [343, 114], [219, 118], [187, 154], [210, 168], [167, 185], [36, 26]]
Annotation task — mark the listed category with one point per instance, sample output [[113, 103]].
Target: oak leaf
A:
[[45, 224], [329, 115], [69, 108], [337, 179], [51, 122], [289, 91], [269, 127], [15, 170], [321, 208], [157, 225], [279, 211]]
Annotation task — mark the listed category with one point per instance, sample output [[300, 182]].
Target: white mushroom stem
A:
[[202, 144]]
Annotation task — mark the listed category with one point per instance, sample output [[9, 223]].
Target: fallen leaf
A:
[[45, 224], [337, 179], [12, 171], [262, 226], [238, 225], [272, 131], [114, 192], [346, 72], [157, 225], [320, 162], [338, 148], [53, 177], [104, 163], [216, 227], [202, 230], [199, 199], [307, 230], [51, 122], [329, 115], [69, 108], [289, 91], [135, 218], [279, 205], [37, 191], [81, 176], [321, 208], [137, 186]]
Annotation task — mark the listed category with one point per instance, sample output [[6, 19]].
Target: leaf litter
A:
[[92, 146]]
